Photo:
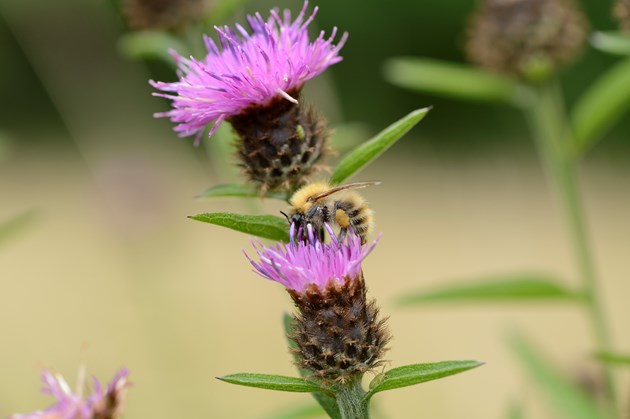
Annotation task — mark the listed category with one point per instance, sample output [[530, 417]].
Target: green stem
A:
[[350, 399], [553, 136]]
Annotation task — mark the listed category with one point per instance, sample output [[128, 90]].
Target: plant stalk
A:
[[350, 399], [549, 125]]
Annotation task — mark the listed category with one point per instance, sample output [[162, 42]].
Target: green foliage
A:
[[410, 375], [143, 45], [617, 43], [265, 226], [506, 288], [458, 81], [272, 382], [613, 358], [568, 399], [239, 191], [328, 403], [367, 152], [603, 104]]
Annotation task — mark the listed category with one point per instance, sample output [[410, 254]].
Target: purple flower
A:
[[102, 403], [311, 262], [276, 58]]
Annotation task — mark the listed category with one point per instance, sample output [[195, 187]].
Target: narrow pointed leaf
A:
[[151, 45], [519, 287], [272, 382], [617, 43], [265, 226], [612, 358], [568, 399], [601, 106], [367, 152], [451, 80], [328, 403], [410, 375], [238, 191]]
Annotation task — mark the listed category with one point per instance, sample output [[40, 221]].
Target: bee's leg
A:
[[342, 218], [342, 235]]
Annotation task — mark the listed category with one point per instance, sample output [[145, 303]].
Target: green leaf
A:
[[603, 104], [613, 358], [265, 226], [240, 191], [451, 80], [515, 287], [568, 399], [328, 403], [15, 225], [410, 375], [272, 382], [613, 42], [144, 45], [367, 152]]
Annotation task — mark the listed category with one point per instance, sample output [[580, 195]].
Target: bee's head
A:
[[296, 218]]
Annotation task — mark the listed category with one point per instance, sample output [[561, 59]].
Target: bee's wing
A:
[[355, 185]]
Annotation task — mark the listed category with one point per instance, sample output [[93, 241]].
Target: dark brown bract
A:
[[514, 36], [279, 145], [337, 332]]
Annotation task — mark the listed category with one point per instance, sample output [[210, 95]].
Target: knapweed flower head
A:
[[525, 37], [254, 81], [622, 13], [337, 333], [102, 403]]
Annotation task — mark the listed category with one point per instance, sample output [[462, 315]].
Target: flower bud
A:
[[162, 14], [526, 38], [622, 14]]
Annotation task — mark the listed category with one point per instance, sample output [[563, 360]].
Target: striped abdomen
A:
[[353, 211]]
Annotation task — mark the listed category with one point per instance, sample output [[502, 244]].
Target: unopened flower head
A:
[[254, 81], [622, 13], [337, 333], [526, 38], [162, 14], [103, 403]]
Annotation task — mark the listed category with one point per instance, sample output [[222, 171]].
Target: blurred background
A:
[[105, 270]]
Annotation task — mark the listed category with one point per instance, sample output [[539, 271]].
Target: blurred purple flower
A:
[[249, 69], [302, 263], [101, 404]]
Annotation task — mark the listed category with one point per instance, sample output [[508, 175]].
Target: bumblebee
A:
[[319, 203]]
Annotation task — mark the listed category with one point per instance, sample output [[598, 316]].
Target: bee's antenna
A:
[[285, 216]]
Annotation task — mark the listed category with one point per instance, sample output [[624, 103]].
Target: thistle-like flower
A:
[[162, 14], [103, 403], [254, 82], [521, 37], [622, 13], [338, 333]]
